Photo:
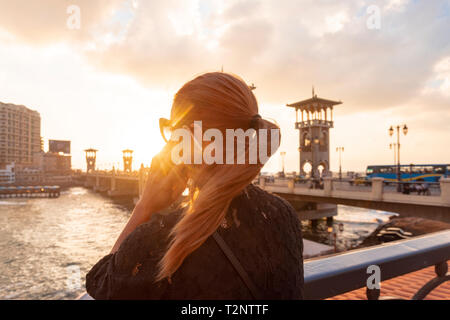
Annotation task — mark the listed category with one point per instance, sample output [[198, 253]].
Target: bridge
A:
[[116, 184], [314, 124], [379, 196], [310, 203]]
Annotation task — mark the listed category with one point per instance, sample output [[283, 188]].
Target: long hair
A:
[[222, 101]]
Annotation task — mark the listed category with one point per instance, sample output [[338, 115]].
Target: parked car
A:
[[358, 181]]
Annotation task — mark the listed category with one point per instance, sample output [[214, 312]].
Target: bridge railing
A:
[[327, 277], [413, 187], [378, 189], [348, 186]]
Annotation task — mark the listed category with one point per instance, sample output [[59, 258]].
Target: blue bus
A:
[[410, 172]]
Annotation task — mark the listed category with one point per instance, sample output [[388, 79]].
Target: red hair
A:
[[222, 101]]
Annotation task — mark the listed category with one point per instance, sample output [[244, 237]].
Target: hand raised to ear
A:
[[165, 183]]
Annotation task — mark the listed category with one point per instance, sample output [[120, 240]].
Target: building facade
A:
[[28, 176], [47, 168], [22, 159], [20, 134], [7, 174]]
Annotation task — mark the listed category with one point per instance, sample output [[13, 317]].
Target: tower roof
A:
[[314, 103]]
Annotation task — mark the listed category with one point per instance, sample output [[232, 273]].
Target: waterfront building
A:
[[28, 175], [57, 164], [20, 134], [7, 174], [53, 163], [56, 168], [47, 168]]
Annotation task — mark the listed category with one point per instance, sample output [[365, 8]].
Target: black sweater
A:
[[262, 230]]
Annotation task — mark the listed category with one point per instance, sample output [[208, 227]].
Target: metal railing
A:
[[437, 194], [347, 186], [413, 187], [327, 277], [337, 274], [350, 185]]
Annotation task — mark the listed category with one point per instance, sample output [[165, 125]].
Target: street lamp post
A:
[[394, 146], [340, 150], [283, 155], [391, 133]]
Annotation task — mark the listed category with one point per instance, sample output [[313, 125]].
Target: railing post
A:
[[445, 189], [262, 182], [87, 183], [113, 180], [377, 188], [141, 180], [328, 185], [291, 185]]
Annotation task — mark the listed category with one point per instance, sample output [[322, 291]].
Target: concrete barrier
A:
[[445, 190], [291, 185], [327, 186], [377, 188]]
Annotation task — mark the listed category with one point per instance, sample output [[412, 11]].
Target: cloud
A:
[[396, 5], [284, 49], [44, 22]]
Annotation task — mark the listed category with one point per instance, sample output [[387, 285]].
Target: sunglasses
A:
[[166, 128]]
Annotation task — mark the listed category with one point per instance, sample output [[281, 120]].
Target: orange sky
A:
[[106, 84]]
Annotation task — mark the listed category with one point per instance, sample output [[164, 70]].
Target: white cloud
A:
[[283, 47], [336, 22], [442, 70], [396, 5]]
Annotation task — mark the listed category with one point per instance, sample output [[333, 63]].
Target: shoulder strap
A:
[[237, 266]]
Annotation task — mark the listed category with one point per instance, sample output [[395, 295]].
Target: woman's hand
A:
[[165, 184]]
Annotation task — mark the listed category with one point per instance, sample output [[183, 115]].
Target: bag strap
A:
[[237, 266]]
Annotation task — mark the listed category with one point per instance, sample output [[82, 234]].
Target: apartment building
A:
[[7, 174], [20, 134]]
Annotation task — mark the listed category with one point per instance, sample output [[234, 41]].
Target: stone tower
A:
[[316, 119], [91, 156], [127, 160]]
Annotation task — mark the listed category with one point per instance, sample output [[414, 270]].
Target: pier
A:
[[30, 192]]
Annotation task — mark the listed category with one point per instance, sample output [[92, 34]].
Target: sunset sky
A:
[[105, 84]]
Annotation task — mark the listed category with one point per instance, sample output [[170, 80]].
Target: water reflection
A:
[[45, 244], [357, 224]]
